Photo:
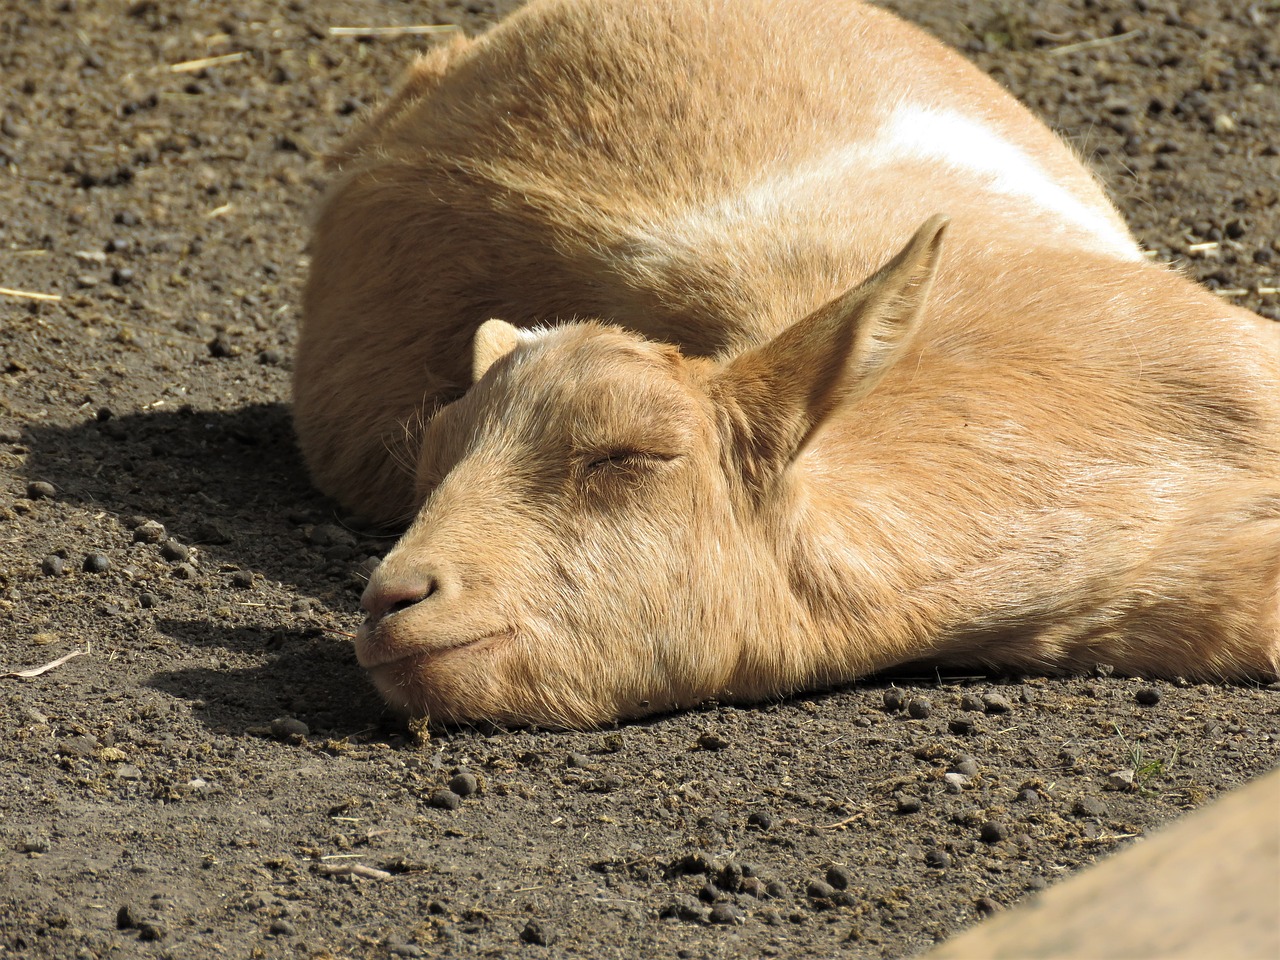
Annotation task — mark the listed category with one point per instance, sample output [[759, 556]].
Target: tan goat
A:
[[701, 454]]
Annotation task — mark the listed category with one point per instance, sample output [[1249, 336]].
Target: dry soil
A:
[[212, 776]]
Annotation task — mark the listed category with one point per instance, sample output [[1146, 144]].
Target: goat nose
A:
[[382, 598]]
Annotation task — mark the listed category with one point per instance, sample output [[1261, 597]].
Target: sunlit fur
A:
[[735, 460]]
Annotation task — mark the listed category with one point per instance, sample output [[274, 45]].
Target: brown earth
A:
[[213, 776]]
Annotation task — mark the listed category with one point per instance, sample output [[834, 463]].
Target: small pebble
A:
[[53, 566], [1121, 780], [919, 708], [908, 805], [761, 819], [712, 741], [937, 859], [172, 550], [464, 784], [725, 913], [149, 531], [220, 348], [1027, 795], [693, 863], [537, 933], [686, 908], [405, 950], [281, 927], [971, 702], [954, 782], [1147, 696], [996, 703], [1089, 807], [820, 890], [776, 889], [96, 563], [147, 600], [445, 800], [243, 579], [962, 726], [282, 728], [894, 700], [729, 877], [966, 765], [839, 877], [41, 490], [185, 571], [993, 831], [151, 930]]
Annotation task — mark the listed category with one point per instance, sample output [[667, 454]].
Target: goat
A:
[[746, 424]]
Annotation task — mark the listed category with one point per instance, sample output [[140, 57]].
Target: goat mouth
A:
[[404, 657]]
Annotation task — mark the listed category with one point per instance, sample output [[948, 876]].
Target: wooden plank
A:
[[1206, 886]]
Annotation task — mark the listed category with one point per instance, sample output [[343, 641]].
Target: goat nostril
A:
[[407, 600], [398, 606]]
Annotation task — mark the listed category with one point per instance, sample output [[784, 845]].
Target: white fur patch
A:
[[977, 160], [965, 144]]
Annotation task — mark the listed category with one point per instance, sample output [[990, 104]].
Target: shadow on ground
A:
[[231, 483]]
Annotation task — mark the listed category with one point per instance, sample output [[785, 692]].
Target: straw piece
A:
[[190, 66], [29, 295], [1091, 44], [418, 30], [44, 668]]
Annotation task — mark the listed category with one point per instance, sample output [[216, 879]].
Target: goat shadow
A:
[[232, 484]]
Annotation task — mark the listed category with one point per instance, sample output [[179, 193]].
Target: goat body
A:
[[745, 426]]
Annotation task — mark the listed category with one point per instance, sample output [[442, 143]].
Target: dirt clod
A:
[[41, 490], [725, 913], [445, 800], [536, 932], [148, 531], [96, 563], [464, 784], [919, 708]]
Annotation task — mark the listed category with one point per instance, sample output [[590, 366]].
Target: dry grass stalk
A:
[[190, 66], [44, 668], [29, 295], [352, 870], [416, 30], [1092, 44]]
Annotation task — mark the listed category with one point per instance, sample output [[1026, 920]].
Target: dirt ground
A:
[[213, 776]]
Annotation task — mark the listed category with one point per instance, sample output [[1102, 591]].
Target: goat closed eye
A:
[[625, 459]]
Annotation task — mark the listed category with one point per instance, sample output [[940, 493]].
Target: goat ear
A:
[[493, 341], [787, 388]]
